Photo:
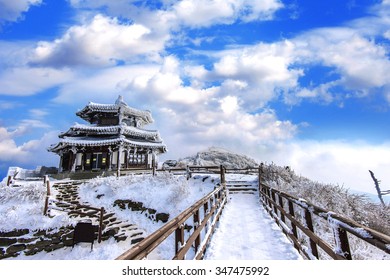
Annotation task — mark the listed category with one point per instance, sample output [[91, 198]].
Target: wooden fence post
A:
[[9, 181], [273, 198], [309, 224], [223, 179], [341, 238], [282, 206], [196, 225], [179, 238], [100, 224], [293, 226], [260, 173], [188, 171], [46, 206], [205, 212], [47, 181]]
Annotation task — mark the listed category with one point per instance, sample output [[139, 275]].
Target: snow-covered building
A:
[[113, 140]]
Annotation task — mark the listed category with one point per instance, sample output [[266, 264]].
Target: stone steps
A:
[[247, 187], [112, 226]]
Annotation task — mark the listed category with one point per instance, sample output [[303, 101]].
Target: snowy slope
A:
[[22, 207], [218, 156]]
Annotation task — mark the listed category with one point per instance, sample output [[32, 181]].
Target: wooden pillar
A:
[[9, 180], [196, 225], [309, 224], [119, 161], [282, 206], [342, 242], [179, 238], [223, 179], [61, 160], [293, 226]]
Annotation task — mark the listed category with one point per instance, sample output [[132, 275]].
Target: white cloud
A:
[[222, 122], [103, 41], [256, 74], [26, 153], [13, 10], [8, 148], [168, 86], [362, 63], [104, 85], [229, 104], [336, 162], [189, 13], [23, 81]]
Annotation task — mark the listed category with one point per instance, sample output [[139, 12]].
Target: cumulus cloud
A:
[[13, 10], [257, 73], [361, 62], [106, 83], [25, 153], [167, 85], [190, 13], [103, 41], [202, 13]]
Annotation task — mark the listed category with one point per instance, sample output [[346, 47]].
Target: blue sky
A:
[[300, 83]]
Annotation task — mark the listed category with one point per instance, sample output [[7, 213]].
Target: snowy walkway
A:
[[247, 232]]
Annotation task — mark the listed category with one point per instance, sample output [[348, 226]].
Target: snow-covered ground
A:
[[21, 207], [247, 232]]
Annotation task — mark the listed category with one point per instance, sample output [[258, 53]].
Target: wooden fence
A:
[[205, 214], [295, 217]]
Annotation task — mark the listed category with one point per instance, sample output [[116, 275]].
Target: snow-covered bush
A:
[[334, 198]]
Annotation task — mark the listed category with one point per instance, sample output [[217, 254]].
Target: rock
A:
[[136, 240], [54, 247], [7, 241], [163, 217], [111, 232], [14, 233], [120, 238], [16, 248], [33, 251], [27, 240], [12, 255], [40, 232], [105, 217], [39, 244]]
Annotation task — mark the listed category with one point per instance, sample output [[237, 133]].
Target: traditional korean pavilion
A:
[[113, 140]]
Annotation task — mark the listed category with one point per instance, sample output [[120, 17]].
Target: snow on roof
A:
[[92, 107], [93, 142], [126, 130]]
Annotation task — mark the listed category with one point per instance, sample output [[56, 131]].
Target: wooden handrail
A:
[[216, 198], [339, 224]]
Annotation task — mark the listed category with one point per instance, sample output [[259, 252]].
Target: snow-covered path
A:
[[247, 232]]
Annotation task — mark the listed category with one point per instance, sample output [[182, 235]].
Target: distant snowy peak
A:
[[218, 156]]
